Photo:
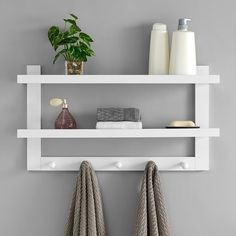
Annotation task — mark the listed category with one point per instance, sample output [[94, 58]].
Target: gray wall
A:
[[37, 203]]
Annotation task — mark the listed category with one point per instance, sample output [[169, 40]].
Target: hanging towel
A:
[[152, 217], [86, 214], [119, 125]]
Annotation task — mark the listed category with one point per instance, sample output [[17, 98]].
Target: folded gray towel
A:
[[152, 217], [86, 214], [118, 114]]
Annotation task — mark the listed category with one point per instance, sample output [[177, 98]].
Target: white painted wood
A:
[[33, 119], [33, 153], [110, 163], [202, 154], [184, 165], [116, 133], [118, 79], [119, 164], [34, 133], [33, 100], [33, 70], [33, 106], [52, 165]]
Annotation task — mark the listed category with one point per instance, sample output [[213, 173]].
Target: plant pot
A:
[[74, 67]]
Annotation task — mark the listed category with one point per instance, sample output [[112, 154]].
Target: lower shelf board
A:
[[117, 133]]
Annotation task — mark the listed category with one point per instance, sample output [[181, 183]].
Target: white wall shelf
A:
[[34, 133]]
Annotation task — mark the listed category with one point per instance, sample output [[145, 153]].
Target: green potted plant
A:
[[72, 44]]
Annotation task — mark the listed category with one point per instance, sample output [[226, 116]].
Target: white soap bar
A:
[[182, 123]]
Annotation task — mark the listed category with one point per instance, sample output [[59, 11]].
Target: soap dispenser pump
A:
[[183, 50], [65, 120]]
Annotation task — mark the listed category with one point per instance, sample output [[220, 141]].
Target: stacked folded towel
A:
[[118, 118], [119, 125]]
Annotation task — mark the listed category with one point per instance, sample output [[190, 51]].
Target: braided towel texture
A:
[[86, 214], [152, 217], [118, 114]]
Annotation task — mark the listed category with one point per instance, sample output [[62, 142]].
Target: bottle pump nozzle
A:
[[183, 24], [64, 104]]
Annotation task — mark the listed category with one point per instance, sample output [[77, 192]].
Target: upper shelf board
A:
[[118, 79]]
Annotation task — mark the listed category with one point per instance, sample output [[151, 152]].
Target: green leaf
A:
[[90, 52], [83, 56], [74, 16], [58, 54], [75, 52], [71, 49], [83, 45], [53, 33], [55, 37], [55, 58], [57, 40], [74, 29], [69, 40], [70, 21], [85, 42], [86, 49], [65, 34], [85, 37]]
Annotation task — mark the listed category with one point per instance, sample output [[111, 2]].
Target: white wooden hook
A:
[[52, 165], [119, 164], [184, 165]]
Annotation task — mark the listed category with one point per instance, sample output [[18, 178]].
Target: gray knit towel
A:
[[86, 213], [118, 114], [152, 217]]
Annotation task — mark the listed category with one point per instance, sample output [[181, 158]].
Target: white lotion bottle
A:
[[183, 50], [159, 50]]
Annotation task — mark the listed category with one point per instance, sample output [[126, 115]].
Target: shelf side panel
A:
[[33, 119], [202, 154]]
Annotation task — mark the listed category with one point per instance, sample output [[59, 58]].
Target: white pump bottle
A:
[[159, 50], [183, 51]]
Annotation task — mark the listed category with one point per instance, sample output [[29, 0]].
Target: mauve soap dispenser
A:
[[65, 120]]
